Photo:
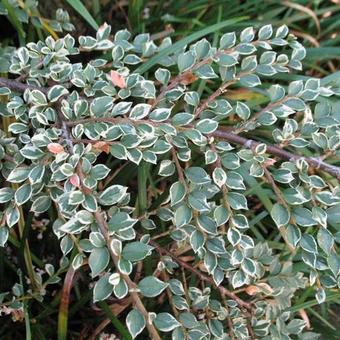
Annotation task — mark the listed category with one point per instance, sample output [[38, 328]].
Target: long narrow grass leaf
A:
[[82, 11]]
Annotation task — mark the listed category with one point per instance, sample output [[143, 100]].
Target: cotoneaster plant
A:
[[182, 253]]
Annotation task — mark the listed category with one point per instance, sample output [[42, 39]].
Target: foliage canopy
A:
[[72, 124]]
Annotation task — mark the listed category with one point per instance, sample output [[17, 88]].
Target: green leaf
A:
[[308, 243], [207, 224], [239, 279], [163, 75], [102, 289], [99, 171], [4, 233], [325, 240], [38, 98], [196, 240], [248, 266], [235, 181], [228, 40], [185, 61], [118, 151], [112, 194], [18, 175], [23, 194], [303, 217], [206, 126], [101, 105], [280, 214], [135, 322], [221, 215], [140, 111], [12, 215], [295, 326], [97, 239], [166, 168], [160, 115], [227, 60], [17, 128], [183, 215], [136, 251], [165, 322], [150, 286], [177, 193], [6, 194], [237, 201], [176, 287], [234, 236], [121, 289], [197, 175], [242, 110], [120, 221], [202, 48], [293, 235], [41, 204], [219, 176], [56, 92], [205, 72], [265, 32], [98, 260], [198, 201]]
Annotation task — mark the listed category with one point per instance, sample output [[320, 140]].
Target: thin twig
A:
[[102, 224], [212, 97], [178, 166], [258, 114], [277, 151], [182, 76], [203, 277], [231, 137], [282, 201], [316, 163]]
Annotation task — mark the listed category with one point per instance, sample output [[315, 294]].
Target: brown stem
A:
[[277, 151], [131, 285], [220, 133], [258, 114], [224, 190], [281, 200], [231, 137], [17, 86], [212, 97], [64, 303], [182, 76], [104, 230], [224, 291], [178, 165]]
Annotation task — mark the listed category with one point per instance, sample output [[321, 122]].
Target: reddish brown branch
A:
[[102, 224], [212, 97], [316, 163], [65, 301], [277, 151], [224, 291]]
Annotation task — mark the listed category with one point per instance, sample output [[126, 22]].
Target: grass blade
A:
[[322, 53], [118, 325], [82, 11], [12, 17], [311, 303]]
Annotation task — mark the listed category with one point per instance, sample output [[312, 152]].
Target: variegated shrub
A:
[[165, 184]]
